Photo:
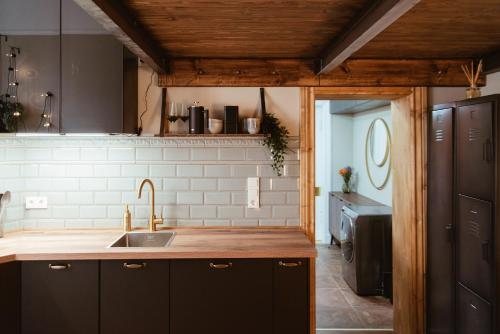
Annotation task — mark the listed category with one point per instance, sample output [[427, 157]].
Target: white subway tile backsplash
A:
[[52, 170], [262, 212], [189, 170], [121, 154], [107, 197], [190, 198], [235, 212], [93, 211], [107, 170], [203, 184], [95, 184], [162, 170], [217, 171], [10, 170], [93, 154], [88, 181], [80, 171], [175, 154], [66, 154], [126, 184], [231, 154], [244, 170], [135, 170], [149, 154], [232, 184], [217, 198], [286, 211], [80, 198], [176, 184], [203, 211], [205, 154]]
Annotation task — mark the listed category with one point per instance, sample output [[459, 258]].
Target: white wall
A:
[[361, 123], [492, 84], [341, 147], [284, 102]]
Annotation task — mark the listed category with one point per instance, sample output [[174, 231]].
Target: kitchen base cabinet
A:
[[10, 298], [60, 297], [135, 297], [221, 296], [291, 296]]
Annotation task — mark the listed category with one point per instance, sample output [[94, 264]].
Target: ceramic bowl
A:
[[215, 125]]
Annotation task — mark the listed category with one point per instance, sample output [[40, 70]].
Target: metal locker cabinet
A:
[[475, 151], [474, 241], [440, 275]]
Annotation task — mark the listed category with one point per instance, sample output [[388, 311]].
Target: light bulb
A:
[[16, 113], [46, 124], [45, 116]]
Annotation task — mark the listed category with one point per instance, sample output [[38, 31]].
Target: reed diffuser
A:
[[473, 76]]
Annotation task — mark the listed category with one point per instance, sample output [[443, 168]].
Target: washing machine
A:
[[366, 248]]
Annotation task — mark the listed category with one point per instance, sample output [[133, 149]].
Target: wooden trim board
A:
[[409, 107]]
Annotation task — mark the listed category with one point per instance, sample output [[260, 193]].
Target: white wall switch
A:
[[34, 202], [253, 188]]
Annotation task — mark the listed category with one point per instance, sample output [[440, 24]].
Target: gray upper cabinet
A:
[[91, 77]]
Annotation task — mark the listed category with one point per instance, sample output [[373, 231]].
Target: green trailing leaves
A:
[[275, 140]]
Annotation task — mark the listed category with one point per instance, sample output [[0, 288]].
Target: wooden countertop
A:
[[187, 243]]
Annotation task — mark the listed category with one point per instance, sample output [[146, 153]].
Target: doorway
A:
[[353, 216], [408, 107]]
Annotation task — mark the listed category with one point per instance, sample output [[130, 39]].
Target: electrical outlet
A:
[[253, 189], [34, 202]]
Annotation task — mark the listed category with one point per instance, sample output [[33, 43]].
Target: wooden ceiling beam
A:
[[376, 18], [185, 72], [491, 63], [116, 19]]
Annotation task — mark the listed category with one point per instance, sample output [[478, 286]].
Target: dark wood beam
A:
[[116, 19], [491, 63], [300, 73], [378, 16]]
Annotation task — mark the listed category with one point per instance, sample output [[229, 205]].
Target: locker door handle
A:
[[485, 247], [487, 151]]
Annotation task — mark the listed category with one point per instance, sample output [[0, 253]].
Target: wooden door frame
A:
[[409, 192]]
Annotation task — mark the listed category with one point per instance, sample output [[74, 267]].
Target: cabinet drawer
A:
[[60, 297], [135, 296], [221, 296], [291, 296], [10, 297]]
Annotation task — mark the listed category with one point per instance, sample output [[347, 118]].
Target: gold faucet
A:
[[153, 221]]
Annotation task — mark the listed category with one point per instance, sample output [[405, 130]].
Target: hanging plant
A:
[[275, 140], [10, 114]]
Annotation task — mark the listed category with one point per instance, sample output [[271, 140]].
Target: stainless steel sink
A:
[[143, 239]]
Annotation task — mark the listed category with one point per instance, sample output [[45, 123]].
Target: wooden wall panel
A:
[[300, 73]]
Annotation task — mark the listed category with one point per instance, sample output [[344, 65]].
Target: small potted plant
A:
[[346, 174], [10, 114]]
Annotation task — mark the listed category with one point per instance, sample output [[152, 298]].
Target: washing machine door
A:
[[347, 237]]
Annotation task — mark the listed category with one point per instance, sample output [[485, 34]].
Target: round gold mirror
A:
[[378, 153]]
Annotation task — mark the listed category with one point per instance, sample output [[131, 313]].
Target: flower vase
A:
[[346, 188]]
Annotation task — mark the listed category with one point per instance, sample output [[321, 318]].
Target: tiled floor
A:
[[337, 307]]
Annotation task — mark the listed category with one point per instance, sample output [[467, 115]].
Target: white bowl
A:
[[215, 125]]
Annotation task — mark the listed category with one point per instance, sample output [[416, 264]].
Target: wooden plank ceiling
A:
[[245, 28], [287, 42]]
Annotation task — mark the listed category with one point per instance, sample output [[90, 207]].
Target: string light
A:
[[45, 117]]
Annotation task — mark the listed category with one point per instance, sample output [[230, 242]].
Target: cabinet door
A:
[[473, 313], [60, 297], [474, 246], [135, 297], [440, 278], [475, 151], [10, 297], [221, 296], [291, 296]]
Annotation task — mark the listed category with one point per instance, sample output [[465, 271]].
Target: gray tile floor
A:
[[338, 309]]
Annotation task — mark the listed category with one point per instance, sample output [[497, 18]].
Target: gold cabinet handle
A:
[[220, 265], [59, 266], [290, 264], [134, 265]]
